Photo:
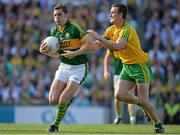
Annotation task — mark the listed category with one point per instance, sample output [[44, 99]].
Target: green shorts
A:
[[139, 73]]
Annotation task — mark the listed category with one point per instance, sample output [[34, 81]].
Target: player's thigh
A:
[[59, 83], [123, 87], [132, 90], [78, 75], [70, 90], [56, 89], [143, 92]]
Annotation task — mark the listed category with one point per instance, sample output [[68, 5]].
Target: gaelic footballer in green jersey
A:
[[71, 73], [71, 38]]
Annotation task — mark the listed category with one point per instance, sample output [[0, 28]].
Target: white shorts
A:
[[76, 73]]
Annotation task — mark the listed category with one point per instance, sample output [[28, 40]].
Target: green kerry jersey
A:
[[70, 37]]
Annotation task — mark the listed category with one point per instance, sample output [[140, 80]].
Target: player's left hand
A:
[[68, 54]]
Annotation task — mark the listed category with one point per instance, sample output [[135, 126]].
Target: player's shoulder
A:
[[127, 25], [75, 25]]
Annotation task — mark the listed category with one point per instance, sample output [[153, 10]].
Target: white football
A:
[[53, 43]]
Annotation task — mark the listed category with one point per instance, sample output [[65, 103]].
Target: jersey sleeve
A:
[[81, 32], [126, 32], [106, 34]]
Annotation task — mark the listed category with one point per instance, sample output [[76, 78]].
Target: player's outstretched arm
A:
[[119, 44]]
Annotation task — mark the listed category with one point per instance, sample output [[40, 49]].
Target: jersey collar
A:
[[65, 25]]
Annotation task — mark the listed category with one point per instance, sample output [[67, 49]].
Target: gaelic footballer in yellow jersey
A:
[[132, 53], [136, 67]]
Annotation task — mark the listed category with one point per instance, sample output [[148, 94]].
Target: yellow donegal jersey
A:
[[132, 53], [114, 53]]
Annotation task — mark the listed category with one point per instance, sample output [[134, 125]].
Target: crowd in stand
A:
[[26, 75]]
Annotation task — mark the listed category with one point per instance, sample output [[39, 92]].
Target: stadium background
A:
[[25, 74]]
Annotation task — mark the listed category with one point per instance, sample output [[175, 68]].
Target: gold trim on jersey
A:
[[62, 28], [84, 38]]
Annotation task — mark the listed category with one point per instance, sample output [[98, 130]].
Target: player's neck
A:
[[61, 27]]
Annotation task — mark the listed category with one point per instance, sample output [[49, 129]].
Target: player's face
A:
[[115, 17], [60, 17]]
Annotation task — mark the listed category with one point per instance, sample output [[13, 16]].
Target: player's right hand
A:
[[44, 49], [107, 75], [93, 33]]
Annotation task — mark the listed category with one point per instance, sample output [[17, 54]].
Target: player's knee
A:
[[53, 101], [62, 101], [116, 101], [119, 97], [143, 102]]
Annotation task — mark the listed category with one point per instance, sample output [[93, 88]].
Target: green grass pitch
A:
[[85, 129]]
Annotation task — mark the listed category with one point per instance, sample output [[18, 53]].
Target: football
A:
[[53, 43]]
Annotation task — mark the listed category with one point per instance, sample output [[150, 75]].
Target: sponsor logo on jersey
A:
[[65, 44], [67, 35]]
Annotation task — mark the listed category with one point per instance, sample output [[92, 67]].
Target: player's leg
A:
[[122, 93], [131, 109], [64, 102], [56, 89], [143, 81], [123, 86], [117, 103], [76, 77], [143, 93]]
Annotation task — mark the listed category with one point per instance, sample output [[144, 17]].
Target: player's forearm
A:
[[111, 45], [54, 55], [82, 50], [106, 68], [106, 62]]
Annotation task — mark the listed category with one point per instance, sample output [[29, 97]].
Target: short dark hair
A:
[[61, 6], [121, 9]]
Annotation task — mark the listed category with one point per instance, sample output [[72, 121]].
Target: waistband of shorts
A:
[[148, 61], [74, 66]]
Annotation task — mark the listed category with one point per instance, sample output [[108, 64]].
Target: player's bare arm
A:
[[120, 44], [107, 74]]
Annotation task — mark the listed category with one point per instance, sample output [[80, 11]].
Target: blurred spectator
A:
[[82, 98], [172, 110]]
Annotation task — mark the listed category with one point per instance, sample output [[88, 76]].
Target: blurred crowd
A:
[[26, 75]]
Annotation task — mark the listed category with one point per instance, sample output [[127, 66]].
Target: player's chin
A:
[[111, 20]]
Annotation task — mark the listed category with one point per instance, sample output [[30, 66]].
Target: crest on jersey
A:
[[67, 35]]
